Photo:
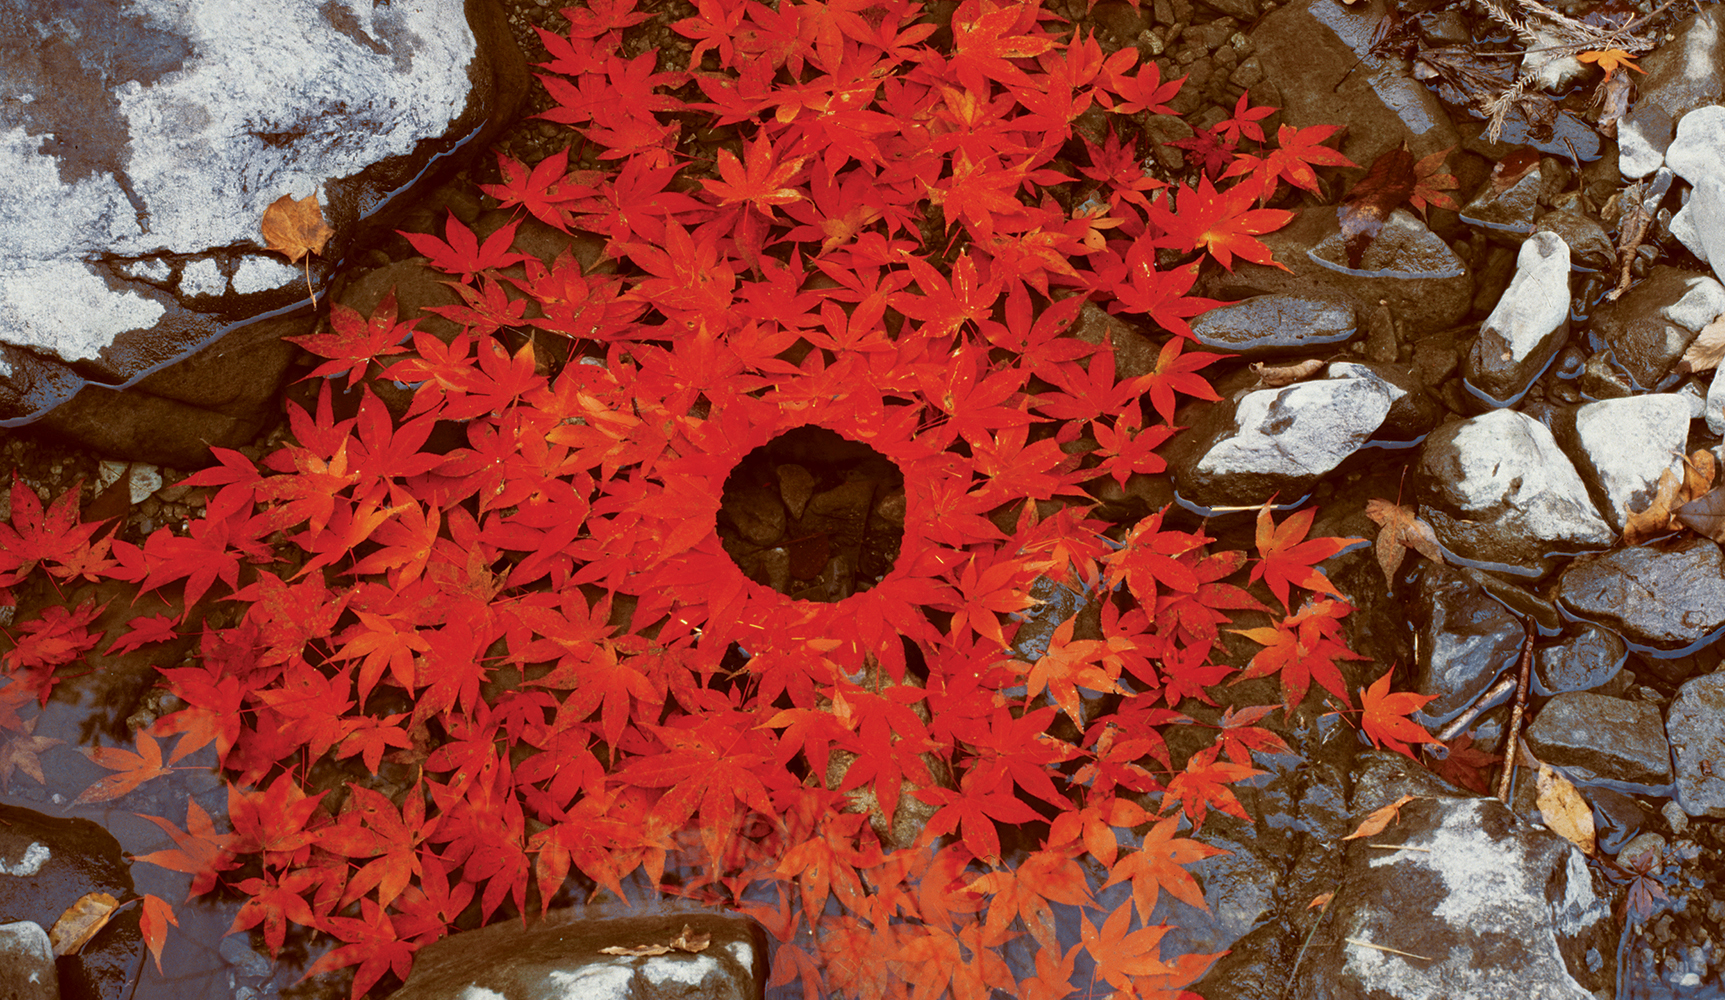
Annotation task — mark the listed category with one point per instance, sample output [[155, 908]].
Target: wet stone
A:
[[27, 962], [758, 515], [1526, 329], [1622, 446], [1589, 657], [1508, 211], [1665, 601], [1648, 329], [1616, 818], [1695, 726], [1466, 640], [1499, 492], [1599, 737], [1270, 325]]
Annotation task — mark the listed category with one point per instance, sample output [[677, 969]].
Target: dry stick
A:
[[1513, 737], [1471, 714]]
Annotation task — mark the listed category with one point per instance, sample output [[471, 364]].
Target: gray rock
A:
[[1299, 46], [1528, 327], [1595, 736], [143, 143], [560, 957], [1466, 639], [1278, 441], [1715, 406], [1590, 246], [1582, 661], [1404, 249], [1509, 211], [1697, 225], [1621, 446], [1695, 726], [1682, 74], [27, 962], [1666, 602], [1423, 284], [758, 515], [1499, 492], [1271, 325], [1650, 327], [1495, 908], [1413, 411]]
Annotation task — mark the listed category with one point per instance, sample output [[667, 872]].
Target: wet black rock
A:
[[1585, 659], [1595, 736], [1466, 640], [1660, 600], [1695, 726], [1271, 325], [47, 864], [1644, 333]]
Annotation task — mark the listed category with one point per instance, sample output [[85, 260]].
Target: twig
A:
[[1379, 947], [1400, 847], [1471, 714], [1513, 737], [1295, 971], [1632, 229]]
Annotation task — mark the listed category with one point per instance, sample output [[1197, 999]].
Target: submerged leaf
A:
[[1565, 811]]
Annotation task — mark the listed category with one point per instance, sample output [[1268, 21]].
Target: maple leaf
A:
[[1222, 224], [1121, 956], [356, 340], [1464, 766], [1385, 716], [463, 254], [1297, 152], [973, 810], [1302, 647], [202, 852], [22, 752], [1402, 529], [1388, 182], [1208, 149], [153, 925], [1025, 891], [1204, 783], [1284, 560], [1609, 60], [762, 183], [1175, 371], [1143, 91], [134, 769], [1160, 864], [55, 539]]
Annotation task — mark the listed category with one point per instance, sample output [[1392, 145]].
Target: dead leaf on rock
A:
[[1320, 901], [691, 942], [296, 228], [1699, 471], [1706, 350], [82, 921], [1387, 184], [1565, 811], [1381, 818], [1655, 520], [1276, 376], [1705, 515], [687, 941], [1508, 172], [637, 951], [1402, 530]]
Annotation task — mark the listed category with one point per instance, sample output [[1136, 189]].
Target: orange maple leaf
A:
[[1284, 559], [134, 769]]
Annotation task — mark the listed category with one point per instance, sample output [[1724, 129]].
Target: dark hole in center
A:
[[813, 515]]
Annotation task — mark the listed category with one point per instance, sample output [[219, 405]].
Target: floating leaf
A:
[[1655, 519], [1389, 182], [83, 920], [1565, 811], [1402, 530]]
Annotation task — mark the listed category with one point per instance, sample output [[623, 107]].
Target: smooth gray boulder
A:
[[1526, 329], [1500, 494], [1482, 905], [142, 144], [1622, 446]]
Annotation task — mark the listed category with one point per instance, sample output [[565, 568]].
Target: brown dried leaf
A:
[[1706, 350], [637, 951], [1565, 811], [82, 921], [1401, 530], [1276, 376], [1699, 470], [1641, 525], [691, 942], [1705, 515], [1381, 818], [1320, 901], [294, 227], [1389, 182]]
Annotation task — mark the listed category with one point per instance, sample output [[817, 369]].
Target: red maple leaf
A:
[[356, 340], [66, 548], [1284, 560], [1303, 647], [1160, 864], [1223, 224], [463, 254], [762, 182], [1384, 716], [1204, 783]]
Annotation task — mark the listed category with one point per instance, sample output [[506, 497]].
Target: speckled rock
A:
[[1581, 661], [1269, 325], [1493, 907], [1649, 328], [1595, 736], [144, 141], [1500, 493], [1695, 725], [1622, 446], [1528, 327], [1664, 601], [1680, 75]]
